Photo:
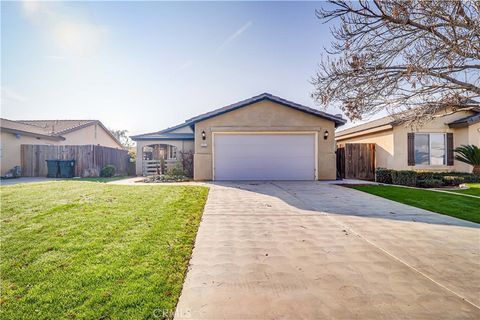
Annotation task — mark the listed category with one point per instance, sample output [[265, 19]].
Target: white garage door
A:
[[264, 157]]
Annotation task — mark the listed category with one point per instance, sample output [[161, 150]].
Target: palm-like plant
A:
[[469, 154]]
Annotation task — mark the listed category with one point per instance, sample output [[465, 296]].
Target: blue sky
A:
[[144, 66]]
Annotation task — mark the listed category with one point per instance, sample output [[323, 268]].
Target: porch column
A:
[[139, 159]]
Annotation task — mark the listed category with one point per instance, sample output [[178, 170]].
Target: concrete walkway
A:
[[309, 250]]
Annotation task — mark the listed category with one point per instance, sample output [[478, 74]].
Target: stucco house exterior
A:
[[14, 133], [261, 138], [429, 147]]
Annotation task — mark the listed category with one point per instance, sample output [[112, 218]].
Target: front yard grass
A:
[[474, 189], [102, 179], [95, 251], [465, 208]]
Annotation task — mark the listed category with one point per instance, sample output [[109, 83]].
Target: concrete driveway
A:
[[310, 250]]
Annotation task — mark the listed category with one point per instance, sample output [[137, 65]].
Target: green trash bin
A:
[[53, 170], [67, 168]]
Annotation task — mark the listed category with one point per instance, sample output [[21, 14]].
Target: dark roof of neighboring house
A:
[[385, 121], [51, 128], [465, 122], [267, 96]]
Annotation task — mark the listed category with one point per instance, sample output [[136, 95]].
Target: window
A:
[[430, 149], [172, 152]]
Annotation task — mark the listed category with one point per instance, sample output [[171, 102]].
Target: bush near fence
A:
[[424, 179]]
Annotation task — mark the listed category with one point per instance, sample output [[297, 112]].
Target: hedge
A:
[[404, 178], [424, 179]]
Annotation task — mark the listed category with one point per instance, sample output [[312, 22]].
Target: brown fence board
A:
[[89, 159], [356, 161]]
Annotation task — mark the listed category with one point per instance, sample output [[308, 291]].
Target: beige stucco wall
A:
[[438, 125], [391, 145], [384, 156], [265, 116], [182, 145], [10, 149], [93, 134]]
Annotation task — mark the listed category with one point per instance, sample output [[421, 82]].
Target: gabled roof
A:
[[267, 96], [166, 134], [23, 128], [57, 127], [389, 121], [53, 129]]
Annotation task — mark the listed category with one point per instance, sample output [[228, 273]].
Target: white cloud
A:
[[73, 35], [12, 95], [234, 35]]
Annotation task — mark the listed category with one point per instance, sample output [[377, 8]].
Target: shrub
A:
[[165, 178], [428, 175], [186, 158], [429, 183], [452, 180], [383, 175], [176, 170], [107, 171], [404, 178]]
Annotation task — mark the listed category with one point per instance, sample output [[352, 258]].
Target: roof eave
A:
[[161, 139], [33, 134], [363, 132]]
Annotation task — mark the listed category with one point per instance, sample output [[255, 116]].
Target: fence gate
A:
[[356, 161]]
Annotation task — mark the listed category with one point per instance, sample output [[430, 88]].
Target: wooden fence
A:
[[356, 161], [89, 159]]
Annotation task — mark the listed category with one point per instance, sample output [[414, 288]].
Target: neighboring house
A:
[[261, 138], [14, 133], [430, 147]]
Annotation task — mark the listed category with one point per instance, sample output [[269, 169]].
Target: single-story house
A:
[[430, 147], [261, 138], [14, 133]]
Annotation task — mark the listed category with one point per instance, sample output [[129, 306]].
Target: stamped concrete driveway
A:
[[307, 250]]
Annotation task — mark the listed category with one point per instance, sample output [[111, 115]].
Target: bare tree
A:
[[122, 136], [421, 57]]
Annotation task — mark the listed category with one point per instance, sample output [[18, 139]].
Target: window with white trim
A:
[[430, 149]]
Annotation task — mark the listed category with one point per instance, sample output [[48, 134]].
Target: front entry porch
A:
[[157, 157]]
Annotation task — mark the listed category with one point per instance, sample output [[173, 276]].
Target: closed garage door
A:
[[264, 157]]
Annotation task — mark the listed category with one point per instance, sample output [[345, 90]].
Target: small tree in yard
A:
[[421, 57], [122, 136], [469, 154]]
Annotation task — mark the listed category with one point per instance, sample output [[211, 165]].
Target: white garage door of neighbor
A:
[[264, 157]]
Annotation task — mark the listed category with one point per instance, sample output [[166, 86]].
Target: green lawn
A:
[[465, 208], [474, 189], [100, 179], [81, 250]]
